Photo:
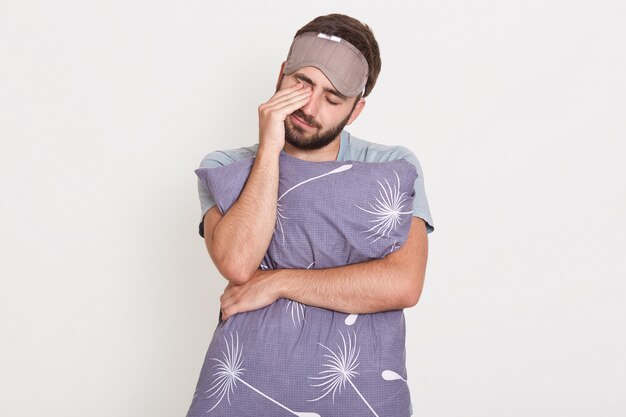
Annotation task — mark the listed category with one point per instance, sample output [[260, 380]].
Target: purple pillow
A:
[[330, 213], [292, 356]]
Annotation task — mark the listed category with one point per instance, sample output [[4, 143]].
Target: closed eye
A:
[[307, 82]]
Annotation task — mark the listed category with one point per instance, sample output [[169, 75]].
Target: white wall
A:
[[516, 111]]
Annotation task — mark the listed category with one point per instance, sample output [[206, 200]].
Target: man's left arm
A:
[[391, 283]]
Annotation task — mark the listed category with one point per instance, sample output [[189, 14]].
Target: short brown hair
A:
[[358, 34]]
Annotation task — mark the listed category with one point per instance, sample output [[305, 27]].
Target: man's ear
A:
[[280, 75], [357, 110]]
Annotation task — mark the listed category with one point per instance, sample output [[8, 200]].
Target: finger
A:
[[226, 298], [284, 109], [232, 288], [225, 293], [287, 90], [284, 92], [229, 299], [292, 105], [288, 106], [225, 317], [275, 104], [230, 311], [236, 303]]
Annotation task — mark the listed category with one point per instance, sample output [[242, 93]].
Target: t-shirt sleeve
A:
[[421, 208], [212, 160]]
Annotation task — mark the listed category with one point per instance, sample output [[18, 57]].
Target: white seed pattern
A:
[[342, 368], [279, 208], [391, 376], [229, 373], [388, 210], [351, 319]]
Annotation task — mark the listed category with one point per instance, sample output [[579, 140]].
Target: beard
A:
[[297, 137]]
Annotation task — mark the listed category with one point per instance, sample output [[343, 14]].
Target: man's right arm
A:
[[238, 240]]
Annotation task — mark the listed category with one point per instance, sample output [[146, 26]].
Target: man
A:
[[332, 66]]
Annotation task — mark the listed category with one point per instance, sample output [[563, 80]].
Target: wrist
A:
[[266, 150], [280, 283]]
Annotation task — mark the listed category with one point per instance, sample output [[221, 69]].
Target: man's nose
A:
[[311, 108]]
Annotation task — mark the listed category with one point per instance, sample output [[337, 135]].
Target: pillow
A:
[[329, 213]]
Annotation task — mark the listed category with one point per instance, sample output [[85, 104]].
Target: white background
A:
[[516, 111]]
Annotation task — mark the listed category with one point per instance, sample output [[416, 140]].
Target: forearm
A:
[[391, 283], [242, 236], [239, 239], [366, 287]]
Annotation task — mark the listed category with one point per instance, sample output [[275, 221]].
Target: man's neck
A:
[[327, 153]]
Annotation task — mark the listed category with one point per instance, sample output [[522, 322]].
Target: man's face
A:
[[323, 117]]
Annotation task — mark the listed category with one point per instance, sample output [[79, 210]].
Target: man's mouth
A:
[[299, 121]]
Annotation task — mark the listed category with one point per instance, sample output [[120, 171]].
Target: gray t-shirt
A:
[[351, 148]]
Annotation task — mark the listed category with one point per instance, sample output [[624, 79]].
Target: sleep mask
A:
[[340, 61]]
